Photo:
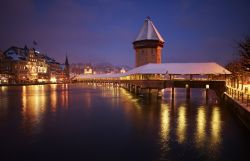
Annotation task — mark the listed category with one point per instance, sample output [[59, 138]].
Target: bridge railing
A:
[[239, 95]]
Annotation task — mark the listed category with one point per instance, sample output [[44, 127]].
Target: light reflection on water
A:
[[172, 123], [53, 97], [64, 96], [165, 121], [202, 127], [36, 100], [33, 107], [200, 134], [181, 124], [165, 129], [215, 126]]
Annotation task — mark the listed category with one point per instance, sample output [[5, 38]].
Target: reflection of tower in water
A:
[[64, 96]]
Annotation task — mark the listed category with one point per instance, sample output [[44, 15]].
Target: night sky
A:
[[103, 30]]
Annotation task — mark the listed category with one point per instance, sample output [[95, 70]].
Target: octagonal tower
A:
[[148, 44]]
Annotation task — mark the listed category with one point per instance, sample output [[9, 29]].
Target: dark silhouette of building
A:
[[66, 69], [148, 44]]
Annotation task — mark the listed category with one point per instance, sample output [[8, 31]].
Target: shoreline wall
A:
[[242, 113]]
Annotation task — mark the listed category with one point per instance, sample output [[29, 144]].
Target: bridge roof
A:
[[109, 75], [169, 68], [180, 68]]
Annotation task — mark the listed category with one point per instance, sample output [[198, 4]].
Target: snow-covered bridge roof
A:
[[180, 68], [168, 68], [84, 76]]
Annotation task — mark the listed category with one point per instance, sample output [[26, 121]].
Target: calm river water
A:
[[92, 123]]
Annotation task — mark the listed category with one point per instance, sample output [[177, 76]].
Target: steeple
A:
[[66, 60], [66, 69]]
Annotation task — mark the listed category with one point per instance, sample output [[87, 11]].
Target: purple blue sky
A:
[[103, 30]]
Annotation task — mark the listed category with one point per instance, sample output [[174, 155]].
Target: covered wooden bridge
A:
[[143, 79]]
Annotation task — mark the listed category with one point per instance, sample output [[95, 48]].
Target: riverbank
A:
[[241, 110]]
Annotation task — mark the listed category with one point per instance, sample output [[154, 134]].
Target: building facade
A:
[[88, 69], [23, 65], [148, 45]]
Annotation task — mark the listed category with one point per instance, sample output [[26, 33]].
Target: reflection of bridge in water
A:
[[144, 79]]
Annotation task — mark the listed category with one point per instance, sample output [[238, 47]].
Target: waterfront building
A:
[[76, 68], [42, 68], [148, 44], [88, 69], [15, 65], [24, 65], [122, 70], [3, 76], [55, 70], [102, 68]]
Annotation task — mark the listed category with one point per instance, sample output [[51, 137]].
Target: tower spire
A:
[[66, 69], [66, 60]]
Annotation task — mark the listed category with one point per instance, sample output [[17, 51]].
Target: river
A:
[[92, 123]]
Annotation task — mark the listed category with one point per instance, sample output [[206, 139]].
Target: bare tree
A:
[[244, 51], [240, 68]]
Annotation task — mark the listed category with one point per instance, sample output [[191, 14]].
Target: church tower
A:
[[148, 44], [66, 69]]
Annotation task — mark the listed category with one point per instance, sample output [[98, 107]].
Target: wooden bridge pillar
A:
[[133, 89], [159, 93], [129, 87], [188, 91], [173, 92], [148, 92], [207, 89], [137, 90]]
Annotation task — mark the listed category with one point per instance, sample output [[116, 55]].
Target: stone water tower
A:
[[148, 44]]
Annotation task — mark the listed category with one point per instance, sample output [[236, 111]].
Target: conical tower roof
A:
[[149, 32]]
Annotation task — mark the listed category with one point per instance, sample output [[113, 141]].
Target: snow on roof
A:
[[180, 68], [90, 76], [14, 56], [149, 32], [168, 68]]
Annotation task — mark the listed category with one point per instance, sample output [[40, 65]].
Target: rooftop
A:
[[170, 68], [180, 68], [149, 32]]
